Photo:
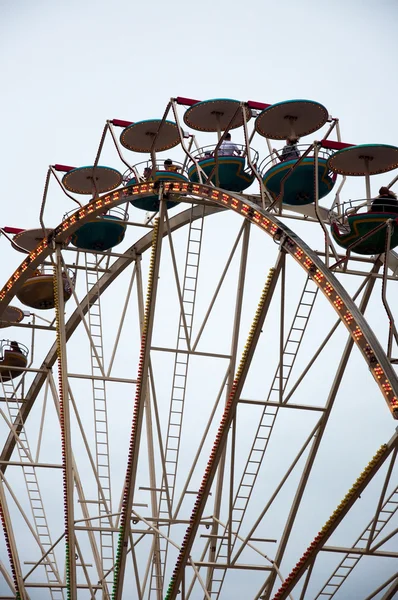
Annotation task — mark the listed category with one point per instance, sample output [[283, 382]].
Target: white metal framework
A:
[[199, 413]]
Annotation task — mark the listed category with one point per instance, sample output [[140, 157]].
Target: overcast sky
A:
[[68, 66]]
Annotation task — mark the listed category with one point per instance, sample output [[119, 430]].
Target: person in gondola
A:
[[228, 148], [290, 150], [169, 166], [147, 173], [66, 284], [386, 201], [14, 347]]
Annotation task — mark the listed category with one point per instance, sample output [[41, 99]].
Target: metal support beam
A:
[[138, 412], [150, 443], [11, 545], [65, 429], [234, 350]]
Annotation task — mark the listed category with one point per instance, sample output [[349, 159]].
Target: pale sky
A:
[[67, 67]]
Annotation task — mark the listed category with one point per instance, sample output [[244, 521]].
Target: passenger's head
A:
[[168, 162], [292, 140], [385, 191], [227, 137]]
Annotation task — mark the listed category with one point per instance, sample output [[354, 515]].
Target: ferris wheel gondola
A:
[[364, 225], [13, 359], [291, 175]]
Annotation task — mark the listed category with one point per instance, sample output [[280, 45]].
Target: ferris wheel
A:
[[198, 392]]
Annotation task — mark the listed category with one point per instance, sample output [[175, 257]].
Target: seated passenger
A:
[[386, 201], [14, 347], [147, 173], [228, 148], [168, 166], [66, 284], [290, 151]]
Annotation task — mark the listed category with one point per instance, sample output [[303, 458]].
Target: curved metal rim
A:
[[334, 292]]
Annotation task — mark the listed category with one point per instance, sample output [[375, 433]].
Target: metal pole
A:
[[338, 130], [367, 182], [257, 175], [282, 329], [65, 428], [150, 446], [218, 126], [234, 349], [131, 473], [381, 499], [124, 161], [43, 202], [316, 185], [11, 545], [187, 151], [392, 329]]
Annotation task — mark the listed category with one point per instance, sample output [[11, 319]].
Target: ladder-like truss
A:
[[264, 430], [100, 415], [180, 373], [42, 530]]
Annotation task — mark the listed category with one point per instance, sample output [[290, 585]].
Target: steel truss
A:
[[150, 539]]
